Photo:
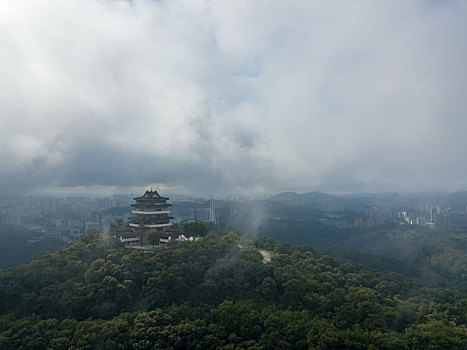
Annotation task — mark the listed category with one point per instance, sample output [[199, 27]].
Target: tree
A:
[[195, 229], [154, 238]]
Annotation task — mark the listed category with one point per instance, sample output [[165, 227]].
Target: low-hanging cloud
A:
[[221, 96]]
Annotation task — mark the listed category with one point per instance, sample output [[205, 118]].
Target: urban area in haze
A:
[[68, 218], [233, 174]]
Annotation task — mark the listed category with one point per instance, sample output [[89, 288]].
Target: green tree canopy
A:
[[154, 238], [216, 293], [195, 229]]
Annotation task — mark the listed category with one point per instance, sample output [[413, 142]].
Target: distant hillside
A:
[[456, 200], [437, 256], [315, 200], [18, 245], [216, 293], [303, 197]]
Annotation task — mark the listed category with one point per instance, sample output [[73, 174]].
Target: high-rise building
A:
[[88, 225], [212, 211]]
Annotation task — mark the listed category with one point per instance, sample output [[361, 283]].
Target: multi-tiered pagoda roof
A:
[[151, 212], [150, 195]]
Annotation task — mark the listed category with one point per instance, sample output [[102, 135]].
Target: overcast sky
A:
[[222, 97]]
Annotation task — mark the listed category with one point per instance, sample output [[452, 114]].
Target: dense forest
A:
[[216, 293]]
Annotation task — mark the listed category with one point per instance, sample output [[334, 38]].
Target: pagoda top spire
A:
[[151, 195]]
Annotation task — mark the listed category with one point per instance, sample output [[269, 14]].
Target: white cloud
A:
[[220, 96]]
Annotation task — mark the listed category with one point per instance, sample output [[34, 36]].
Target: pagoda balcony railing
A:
[[150, 212], [149, 220], [129, 239], [151, 225]]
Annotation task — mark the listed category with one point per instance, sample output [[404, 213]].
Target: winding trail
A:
[[266, 256], [264, 253]]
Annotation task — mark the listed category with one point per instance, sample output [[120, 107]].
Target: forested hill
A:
[[436, 256], [216, 293]]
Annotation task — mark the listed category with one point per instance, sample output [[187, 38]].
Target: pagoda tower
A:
[[151, 213]]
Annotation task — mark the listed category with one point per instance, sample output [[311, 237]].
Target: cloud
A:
[[221, 97]]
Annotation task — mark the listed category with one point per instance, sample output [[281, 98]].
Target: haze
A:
[[233, 96]]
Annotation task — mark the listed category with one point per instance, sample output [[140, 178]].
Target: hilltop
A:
[[216, 293]]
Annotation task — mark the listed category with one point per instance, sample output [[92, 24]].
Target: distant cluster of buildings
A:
[[370, 210], [438, 217], [68, 218], [183, 211], [429, 217]]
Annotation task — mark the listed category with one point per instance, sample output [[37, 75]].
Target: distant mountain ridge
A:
[[330, 202], [307, 195], [315, 200]]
